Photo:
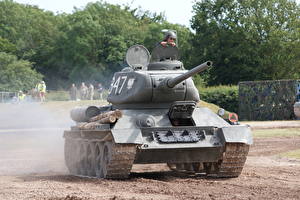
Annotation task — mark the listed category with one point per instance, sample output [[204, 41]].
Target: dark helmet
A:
[[170, 34]]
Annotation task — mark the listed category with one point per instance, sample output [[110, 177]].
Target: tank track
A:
[[99, 158], [231, 164]]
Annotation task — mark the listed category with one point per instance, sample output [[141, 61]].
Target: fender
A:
[[236, 134]]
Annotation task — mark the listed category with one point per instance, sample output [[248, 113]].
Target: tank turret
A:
[[158, 83]]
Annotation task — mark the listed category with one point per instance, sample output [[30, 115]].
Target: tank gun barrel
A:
[[174, 81]]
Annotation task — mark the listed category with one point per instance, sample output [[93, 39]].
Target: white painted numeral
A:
[[118, 84]]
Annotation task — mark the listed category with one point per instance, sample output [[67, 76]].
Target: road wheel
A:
[[107, 155], [83, 158], [184, 167], [90, 161], [211, 168], [98, 159]]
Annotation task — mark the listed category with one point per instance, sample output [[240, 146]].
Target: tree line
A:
[[246, 40]]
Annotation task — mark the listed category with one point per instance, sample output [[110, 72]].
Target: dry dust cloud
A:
[[31, 139]]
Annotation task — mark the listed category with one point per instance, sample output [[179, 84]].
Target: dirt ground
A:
[[32, 167]]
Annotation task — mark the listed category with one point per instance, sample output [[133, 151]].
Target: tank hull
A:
[[211, 146]]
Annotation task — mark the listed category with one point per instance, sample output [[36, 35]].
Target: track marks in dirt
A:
[[265, 176]]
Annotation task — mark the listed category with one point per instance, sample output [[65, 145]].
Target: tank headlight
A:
[[221, 112]]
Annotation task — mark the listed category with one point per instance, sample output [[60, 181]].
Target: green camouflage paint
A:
[[268, 100]]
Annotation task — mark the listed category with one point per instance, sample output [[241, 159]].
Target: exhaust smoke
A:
[[31, 139]]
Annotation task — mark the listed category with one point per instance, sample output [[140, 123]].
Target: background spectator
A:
[[91, 92], [83, 91], [73, 92]]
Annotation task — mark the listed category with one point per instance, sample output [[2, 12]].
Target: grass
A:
[[63, 108], [58, 96], [72, 104], [291, 154], [213, 107], [64, 105], [284, 132], [62, 95]]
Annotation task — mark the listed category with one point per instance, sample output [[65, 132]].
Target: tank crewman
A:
[[73, 92], [42, 90], [83, 91], [170, 38], [91, 92]]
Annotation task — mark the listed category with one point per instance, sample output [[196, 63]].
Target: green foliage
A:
[[95, 40], [16, 74], [88, 45], [33, 33], [6, 46], [32, 30], [199, 81], [224, 96], [247, 40]]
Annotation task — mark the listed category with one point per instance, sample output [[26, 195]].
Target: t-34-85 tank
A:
[[153, 118]]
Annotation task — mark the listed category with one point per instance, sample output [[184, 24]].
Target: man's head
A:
[[170, 39], [170, 36]]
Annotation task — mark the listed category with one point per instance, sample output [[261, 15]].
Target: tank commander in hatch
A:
[[170, 38]]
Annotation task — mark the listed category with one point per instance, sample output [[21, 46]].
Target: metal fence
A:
[[268, 100], [7, 96]]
